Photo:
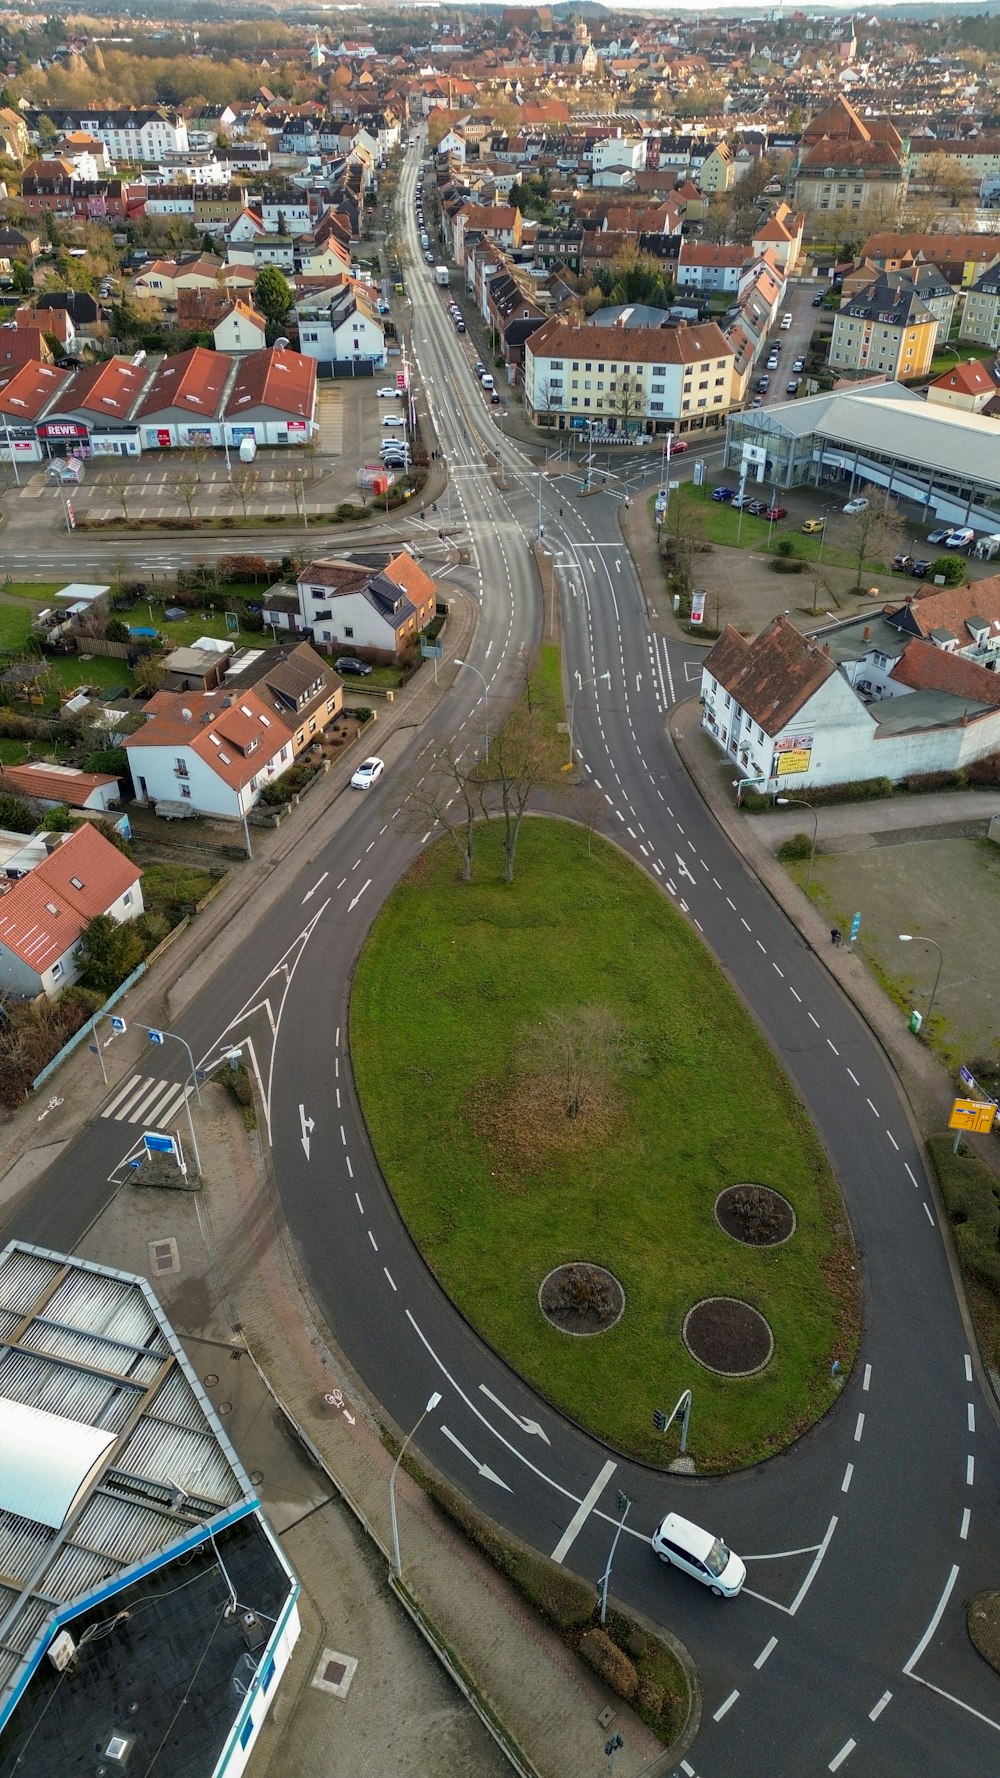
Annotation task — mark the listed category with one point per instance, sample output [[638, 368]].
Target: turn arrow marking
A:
[[520, 1420], [307, 1128], [484, 1469], [682, 869], [360, 893], [311, 892]]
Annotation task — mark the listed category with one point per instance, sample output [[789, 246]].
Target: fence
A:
[[85, 1030]]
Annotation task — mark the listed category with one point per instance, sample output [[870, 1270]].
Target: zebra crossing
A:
[[145, 1100]]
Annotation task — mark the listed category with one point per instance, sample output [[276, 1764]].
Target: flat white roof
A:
[[83, 592], [890, 418], [46, 1461]]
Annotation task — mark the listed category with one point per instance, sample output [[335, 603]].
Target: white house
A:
[[133, 135], [242, 329], [343, 327], [43, 916], [212, 749], [285, 214], [796, 712], [342, 603]]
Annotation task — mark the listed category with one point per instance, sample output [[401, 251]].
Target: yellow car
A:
[[812, 525]]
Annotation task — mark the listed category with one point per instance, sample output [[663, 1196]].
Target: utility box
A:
[[915, 1021]]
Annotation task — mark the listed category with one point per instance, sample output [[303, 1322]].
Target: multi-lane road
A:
[[847, 1649]]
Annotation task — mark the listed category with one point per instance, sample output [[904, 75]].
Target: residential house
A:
[[628, 379], [348, 604], [959, 258], [704, 267], [51, 786], [341, 328], [44, 915], [240, 329], [501, 223], [781, 235], [847, 164], [134, 134], [795, 712], [980, 318], [717, 172], [884, 329], [215, 750], [296, 684], [971, 385]]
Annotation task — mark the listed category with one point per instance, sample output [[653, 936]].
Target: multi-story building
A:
[[619, 379], [128, 135], [847, 164], [981, 315], [884, 329]]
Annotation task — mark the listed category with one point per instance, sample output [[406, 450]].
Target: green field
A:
[[716, 522], [497, 1185]]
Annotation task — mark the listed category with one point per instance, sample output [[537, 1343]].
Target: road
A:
[[847, 1649]]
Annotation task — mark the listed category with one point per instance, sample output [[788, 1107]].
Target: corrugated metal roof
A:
[[92, 1361]]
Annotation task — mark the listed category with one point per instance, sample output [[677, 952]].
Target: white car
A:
[[960, 539], [786, 322], [393, 420], [367, 772], [388, 394], [857, 505], [698, 1553]]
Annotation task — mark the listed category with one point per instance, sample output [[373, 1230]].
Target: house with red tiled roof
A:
[[50, 786], [781, 235], [23, 345], [57, 322], [701, 265], [184, 402], [971, 386], [273, 398], [345, 605], [25, 393], [95, 407], [214, 750], [240, 328], [44, 915]]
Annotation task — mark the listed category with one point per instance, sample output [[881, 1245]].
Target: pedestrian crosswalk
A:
[[143, 1100]]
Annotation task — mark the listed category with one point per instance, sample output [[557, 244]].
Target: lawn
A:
[[718, 523], [497, 1185], [170, 888]]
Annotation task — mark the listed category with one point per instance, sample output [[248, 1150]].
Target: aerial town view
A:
[[499, 884]]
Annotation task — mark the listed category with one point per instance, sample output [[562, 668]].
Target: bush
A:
[[111, 760], [969, 1189], [610, 1663], [16, 815], [936, 781], [984, 771], [786, 546], [363, 713], [799, 846], [783, 565], [950, 568], [57, 820]]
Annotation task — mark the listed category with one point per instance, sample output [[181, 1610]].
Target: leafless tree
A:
[[874, 532], [244, 485], [119, 486], [187, 482], [520, 760], [589, 806], [446, 796], [582, 1047], [527, 661], [197, 452]]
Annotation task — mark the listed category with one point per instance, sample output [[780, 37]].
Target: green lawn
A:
[[168, 888], [719, 524], [498, 1186]]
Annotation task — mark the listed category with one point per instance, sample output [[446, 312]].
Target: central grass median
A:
[[504, 1169]]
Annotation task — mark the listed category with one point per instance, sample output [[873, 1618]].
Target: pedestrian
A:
[[836, 936], [560, 512]]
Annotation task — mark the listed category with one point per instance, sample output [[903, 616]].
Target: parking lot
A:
[[792, 342]]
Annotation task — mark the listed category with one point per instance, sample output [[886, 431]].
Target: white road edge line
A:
[[939, 1612], [583, 1511], [814, 1570]]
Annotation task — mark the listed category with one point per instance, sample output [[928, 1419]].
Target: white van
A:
[[248, 450], [487, 382], [698, 1553]]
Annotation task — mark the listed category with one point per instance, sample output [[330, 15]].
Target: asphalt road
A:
[[847, 1648]]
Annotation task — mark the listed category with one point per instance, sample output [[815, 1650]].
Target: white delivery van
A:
[[248, 450], [487, 382]]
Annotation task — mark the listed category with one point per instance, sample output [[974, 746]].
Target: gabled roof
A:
[[772, 676], [281, 380], [926, 668], [192, 381], [43, 915], [971, 378], [232, 733], [61, 784], [951, 609], [106, 390], [26, 391]]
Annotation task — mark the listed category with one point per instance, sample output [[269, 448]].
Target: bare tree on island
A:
[[429, 804]]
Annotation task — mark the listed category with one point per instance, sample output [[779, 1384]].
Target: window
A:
[[684, 406], [703, 385], [127, 899], [246, 1732], [57, 970], [180, 768], [185, 790], [348, 629]]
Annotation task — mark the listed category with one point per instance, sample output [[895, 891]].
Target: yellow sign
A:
[[972, 1115], [794, 762]]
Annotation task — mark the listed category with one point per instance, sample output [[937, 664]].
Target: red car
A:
[[776, 512], [677, 446]]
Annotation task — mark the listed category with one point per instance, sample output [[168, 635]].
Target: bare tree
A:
[[583, 1047], [197, 452], [187, 482], [446, 796], [243, 485], [873, 532], [589, 805], [520, 760], [527, 662], [119, 486]]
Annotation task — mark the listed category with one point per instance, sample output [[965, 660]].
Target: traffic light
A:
[[659, 1420]]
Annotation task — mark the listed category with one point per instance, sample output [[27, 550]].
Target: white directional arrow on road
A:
[[682, 869], [311, 892], [521, 1420], [308, 1126], [484, 1469], [357, 898]]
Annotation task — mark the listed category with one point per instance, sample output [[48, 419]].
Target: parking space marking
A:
[[877, 1709], [767, 1650]]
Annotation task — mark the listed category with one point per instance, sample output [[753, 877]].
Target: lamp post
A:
[[429, 1409], [624, 1507], [801, 803], [486, 706], [572, 704], [908, 938]]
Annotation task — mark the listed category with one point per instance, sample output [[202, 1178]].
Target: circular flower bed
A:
[[727, 1336], [581, 1298], [755, 1215]]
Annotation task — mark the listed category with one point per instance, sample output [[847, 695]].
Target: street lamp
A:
[[429, 1409], [908, 938], [486, 706], [624, 1507], [572, 704], [801, 803]]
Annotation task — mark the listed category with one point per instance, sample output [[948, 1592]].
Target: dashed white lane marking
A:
[[815, 1020], [877, 1709], [658, 868], [389, 1276], [845, 1484], [876, 1110], [927, 1212], [780, 971], [373, 1241], [833, 1046], [966, 1521], [343, 1135], [854, 1077], [839, 1758], [866, 1385], [745, 923], [718, 885], [761, 947], [892, 1139], [972, 1416], [350, 1169], [859, 1427], [727, 1704], [732, 904], [794, 991], [968, 1368], [970, 1470], [687, 1770], [357, 1200], [913, 1176], [768, 1649]]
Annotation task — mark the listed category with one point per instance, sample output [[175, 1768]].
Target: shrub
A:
[[968, 1187], [783, 565], [277, 793], [786, 546], [799, 846], [757, 1213], [610, 1663], [950, 568], [363, 713], [984, 771], [16, 815], [111, 760], [936, 781], [57, 820], [152, 928]]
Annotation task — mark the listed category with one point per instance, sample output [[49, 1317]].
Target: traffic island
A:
[[983, 1623]]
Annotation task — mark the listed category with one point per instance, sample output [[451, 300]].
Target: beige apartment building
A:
[[884, 329], [628, 379], [981, 314]]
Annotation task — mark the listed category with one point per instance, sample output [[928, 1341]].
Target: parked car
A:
[[811, 526], [776, 512], [961, 538], [677, 446], [786, 322], [920, 569], [772, 363], [494, 399], [763, 385], [940, 535], [346, 663], [741, 500], [792, 386], [698, 1553], [721, 493], [367, 772], [756, 508], [817, 301], [393, 420], [902, 562], [479, 367], [858, 504], [459, 326], [799, 365], [388, 393], [758, 401]]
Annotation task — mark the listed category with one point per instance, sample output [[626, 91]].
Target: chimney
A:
[[866, 634]]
